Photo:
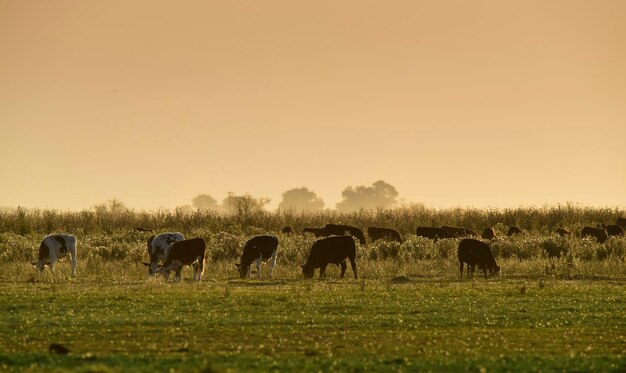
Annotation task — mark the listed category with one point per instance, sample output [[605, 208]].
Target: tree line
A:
[[380, 195]]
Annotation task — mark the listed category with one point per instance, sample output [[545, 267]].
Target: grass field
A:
[[558, 305], [427, 323]]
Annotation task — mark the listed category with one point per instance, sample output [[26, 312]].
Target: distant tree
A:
[[113, 206], [204, 202], [379, 195], [244, 205], [301, 199]]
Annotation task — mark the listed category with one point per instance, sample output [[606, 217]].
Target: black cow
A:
[[456, 232], [614, 230], [514, 230], [474, 252], [287, 230], [621, 222], [563, 232], [259, 249], [185, 252], [335, 250], [341, 230], [376, 234], [488, 234], [598, 233], [317, 232], [434, 233]]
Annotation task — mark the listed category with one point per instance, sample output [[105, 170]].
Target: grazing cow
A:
[[456, 232], [287, 230], [474, 252], [563, 232], [434, 233], [598, 233], [157, 249], [185, 252], [376, 233], [340, 230], [53, 247], [614, 230], [514, 230], [317, 232], [335, 250], [260, 248], [488, 234], [621, 222]]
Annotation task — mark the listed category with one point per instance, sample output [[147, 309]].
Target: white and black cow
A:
[[157, 249], [335, 250], [181, 253], [53, 247], [259, 249]]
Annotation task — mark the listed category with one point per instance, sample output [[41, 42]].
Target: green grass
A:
[[436, 323], [558, 306]]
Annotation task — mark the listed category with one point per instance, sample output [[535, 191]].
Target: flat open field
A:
[[427, 323], [559, 304]]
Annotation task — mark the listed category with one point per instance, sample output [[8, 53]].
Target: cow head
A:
[[152, 268], [39, 265], [165, 271], [308, 271], [495, 270], [243, 270]]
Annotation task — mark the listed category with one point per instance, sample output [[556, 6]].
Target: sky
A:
[[492, 103]]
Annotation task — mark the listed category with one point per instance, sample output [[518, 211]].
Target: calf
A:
[[341, 230], [260, 248], [488, 234], [514, 230], [185, 252], [456, 232], [598, 233], [376, 234], [474, 252], [53, 247], [335, 250], [157, 249]]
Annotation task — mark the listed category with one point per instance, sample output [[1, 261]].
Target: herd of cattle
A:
[[171, 251]]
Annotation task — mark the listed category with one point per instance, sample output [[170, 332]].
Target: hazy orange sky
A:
[[455, 103]]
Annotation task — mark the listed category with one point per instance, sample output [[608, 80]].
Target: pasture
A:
[[558, 305]]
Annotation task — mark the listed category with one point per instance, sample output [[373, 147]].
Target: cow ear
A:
[[146, 264]]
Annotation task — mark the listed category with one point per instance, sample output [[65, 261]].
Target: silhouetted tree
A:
[[204, 202], [243, 205], [379, 195], [114, 206], [301, 199]]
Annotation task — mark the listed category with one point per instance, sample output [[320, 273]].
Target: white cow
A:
[[158, 247], [53, 247]]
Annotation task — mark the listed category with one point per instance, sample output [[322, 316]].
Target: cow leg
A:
[[461, 265], [323, 271], [258, 267], [272, 264], [73, 254], [353, 265], [344, 266], [249, 270], [195, 271], [177, 275], [200, 268]]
